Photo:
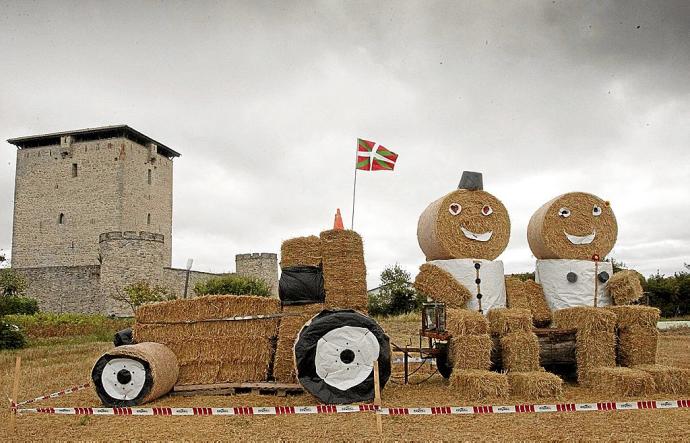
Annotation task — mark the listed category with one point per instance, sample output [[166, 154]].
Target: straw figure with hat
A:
[[462, 234], [570, 236]]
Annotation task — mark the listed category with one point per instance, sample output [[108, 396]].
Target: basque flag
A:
[[369, 159]]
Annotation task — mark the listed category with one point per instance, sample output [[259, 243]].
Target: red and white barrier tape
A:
[[55, 394], [339, 409]]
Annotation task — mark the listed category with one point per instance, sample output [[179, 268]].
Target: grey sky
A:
[[265, 101]]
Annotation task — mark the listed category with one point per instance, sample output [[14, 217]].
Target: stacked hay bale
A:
[[300, 251], [668, 380], [344, 271], [638, 336], [295, 318], [625, 287], [470, 355], [520, 352], [213, 351], [528, 295]]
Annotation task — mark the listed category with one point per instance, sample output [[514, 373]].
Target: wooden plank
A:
[[217, 386], [377, 396]]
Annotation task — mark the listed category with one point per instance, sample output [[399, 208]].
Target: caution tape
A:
[[340, 409], [54, 394]]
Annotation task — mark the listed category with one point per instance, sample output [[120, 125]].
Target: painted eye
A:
[[454, 208], [564, 212], [486, 210], [596, 211]]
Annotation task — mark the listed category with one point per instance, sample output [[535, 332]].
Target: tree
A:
[[141, 293], [396, 295], [12, 284]]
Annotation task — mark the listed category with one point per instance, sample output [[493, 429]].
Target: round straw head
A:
[[576, 225], [464, 224]]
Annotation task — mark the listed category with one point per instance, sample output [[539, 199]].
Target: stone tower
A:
[[72, 186]]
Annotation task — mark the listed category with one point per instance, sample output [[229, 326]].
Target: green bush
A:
[[11, 283], [10, 336], [233, 285], [47, 325], [396, 295], [18, 305], [141, 293]]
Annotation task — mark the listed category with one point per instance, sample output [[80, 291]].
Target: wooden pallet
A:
[[279, 389]]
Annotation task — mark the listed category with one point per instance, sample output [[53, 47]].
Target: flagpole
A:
[[354, 192]]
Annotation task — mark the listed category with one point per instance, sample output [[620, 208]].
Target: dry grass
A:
[[47, 369]]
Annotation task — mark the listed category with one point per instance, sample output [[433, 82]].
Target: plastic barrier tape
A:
[[55, 394], [341, 409]]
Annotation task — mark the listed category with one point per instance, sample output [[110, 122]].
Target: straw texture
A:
[[668, 380], [585, 319], [528, 295], [213, 352], [162, 362], [625, 287], [520, 352], [505, 321], [344, 271], [440, 234], [470, 351], [465, 322], [535, 384], [594, 349], [546, 231], [284, 363], [637, 345], [621, 381], [635, 315], [478, 385], [441, 286], [300, 251]]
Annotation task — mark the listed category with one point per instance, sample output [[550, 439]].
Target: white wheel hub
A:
[[344, 356], [123, 378]]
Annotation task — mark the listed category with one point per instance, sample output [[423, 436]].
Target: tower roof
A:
[[35, 141]]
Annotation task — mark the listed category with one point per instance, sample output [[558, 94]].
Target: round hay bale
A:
[[132, 375], [464, 224], [574, 226]]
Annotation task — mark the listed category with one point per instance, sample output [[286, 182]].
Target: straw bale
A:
[[465, 322], [300, 251], [520, 352], [585, 318], [344, 271], [290, 326], [535, 384], [637, 345], [505, 321], [439, 232], [625, 287], [620, 381], [668, 380], [441, 286], [203, 308], [478, 385], [162, 362], [594, 350], [528, 295], [545, 231], [471, 351], [199, 373], [635, 315]]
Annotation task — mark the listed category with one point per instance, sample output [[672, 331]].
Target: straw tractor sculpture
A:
[[575, 312], [317, 334]]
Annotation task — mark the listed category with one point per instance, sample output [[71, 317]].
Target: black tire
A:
[[341, 326], [442, 362], [123, 337], [110, 385]]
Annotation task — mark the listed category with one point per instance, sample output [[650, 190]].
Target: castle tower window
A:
[[75, 170], [149, 177], [61, 219], [148, 219]]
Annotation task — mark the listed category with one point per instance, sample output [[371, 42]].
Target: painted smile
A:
[[580, 240], [485, 236]]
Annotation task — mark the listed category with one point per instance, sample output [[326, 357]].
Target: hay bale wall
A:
[[520, 352], [300, 251], [465, 322], [625, 287], [545, 231], [585, 318], [505, 321], [441, 286], [284, 362], [439, 232], [637, 345], [471, 351], [213, 352], [344, 271], [635, 315], [528, 295]]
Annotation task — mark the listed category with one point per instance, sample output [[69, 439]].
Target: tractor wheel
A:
[[445, 368]]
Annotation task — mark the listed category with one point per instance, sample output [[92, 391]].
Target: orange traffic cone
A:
[[338, 223]]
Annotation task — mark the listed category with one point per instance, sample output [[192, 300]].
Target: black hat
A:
[[472, 181]]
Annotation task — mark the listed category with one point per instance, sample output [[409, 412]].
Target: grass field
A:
[[49, 368]]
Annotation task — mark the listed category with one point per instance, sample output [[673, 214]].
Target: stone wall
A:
[[108, 190], [65, 288], [262, 265], [174, 278]]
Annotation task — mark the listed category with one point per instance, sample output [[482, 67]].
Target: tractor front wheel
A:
[[445, 368]]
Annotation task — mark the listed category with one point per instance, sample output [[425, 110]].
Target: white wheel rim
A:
[[123, 391], [330, 366]]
